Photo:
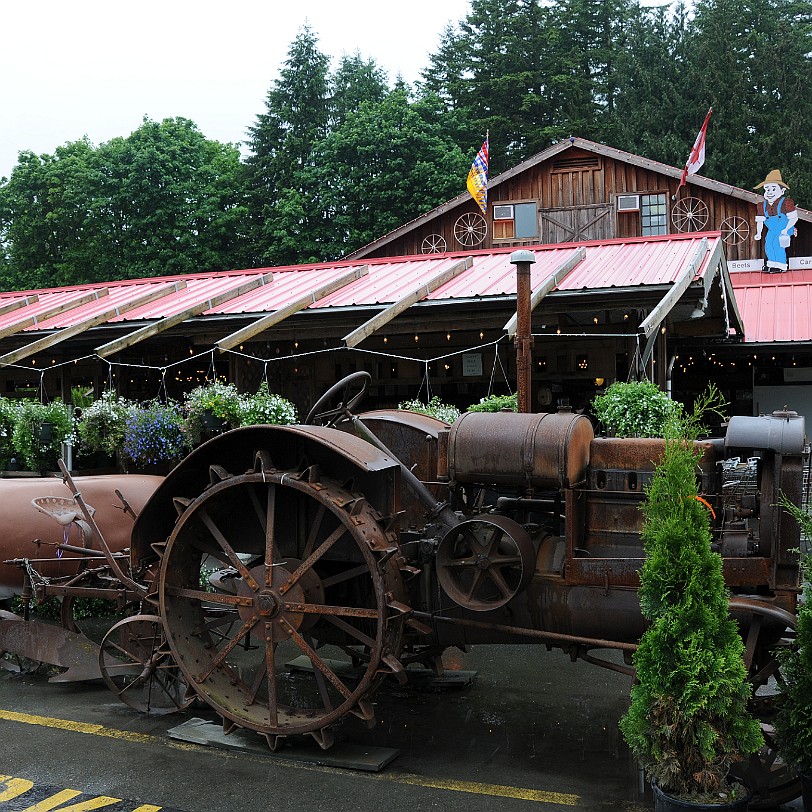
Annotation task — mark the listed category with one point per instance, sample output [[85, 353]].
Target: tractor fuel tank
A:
[[508, 448]]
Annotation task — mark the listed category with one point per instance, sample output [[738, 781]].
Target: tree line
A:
[[339, 157]]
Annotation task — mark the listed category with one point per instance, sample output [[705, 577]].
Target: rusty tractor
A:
[[288, 570]]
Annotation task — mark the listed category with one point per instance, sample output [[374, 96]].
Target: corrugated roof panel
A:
[[775, 307], [387, 282], [198, 289], [47, 300], [286, 287], [613, 264]]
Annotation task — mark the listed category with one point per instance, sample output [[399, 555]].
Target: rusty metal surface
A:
[[507, 448], [288, 447], [51, 644], [413, 439], [22, 523], [323, 582]]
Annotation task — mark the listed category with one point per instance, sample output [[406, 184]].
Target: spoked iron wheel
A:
[[689, 214], [484, 563], [137, 666], [314, 619], [767, 630]]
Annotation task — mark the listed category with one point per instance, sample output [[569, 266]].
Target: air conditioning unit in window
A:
[[628, 202], [503, 212]]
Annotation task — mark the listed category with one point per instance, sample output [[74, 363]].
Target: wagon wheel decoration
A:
[[470, 229], [767, 629], [433, 244], [689, 214], [316, 614], [484, 563], [138, 668], [734, 230]]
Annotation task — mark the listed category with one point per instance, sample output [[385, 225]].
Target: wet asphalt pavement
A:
[[533, 731]]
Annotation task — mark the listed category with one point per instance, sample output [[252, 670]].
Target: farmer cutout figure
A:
[[777, 212]]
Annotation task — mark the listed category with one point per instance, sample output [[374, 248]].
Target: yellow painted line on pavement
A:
[[495, 790]]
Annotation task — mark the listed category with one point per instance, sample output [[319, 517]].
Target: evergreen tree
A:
[[751, 61], [355, 81], [649, 116], [281, 144]]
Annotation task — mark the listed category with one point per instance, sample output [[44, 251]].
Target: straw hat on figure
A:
[[776, 212]]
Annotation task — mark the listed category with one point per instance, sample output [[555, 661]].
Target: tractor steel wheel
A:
[[137, 667], [314, 593]]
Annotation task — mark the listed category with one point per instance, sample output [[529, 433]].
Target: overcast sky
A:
[[87, 67]]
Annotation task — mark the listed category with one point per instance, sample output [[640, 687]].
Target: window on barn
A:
[[650, 210], [653, 215], [515, 221]]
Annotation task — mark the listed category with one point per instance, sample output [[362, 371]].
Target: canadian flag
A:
[[697, 156]]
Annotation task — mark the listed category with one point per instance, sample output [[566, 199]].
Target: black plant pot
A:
[[211, 422], [806, 789], [667, 803]]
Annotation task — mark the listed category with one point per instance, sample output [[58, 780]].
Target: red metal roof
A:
[[775, 307], [614, 264]]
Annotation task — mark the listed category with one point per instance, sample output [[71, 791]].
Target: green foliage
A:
[[635, 409], [162, 200], [266, 408], [51, 608], [154, 433], [81, 396], [688, 719], [40, 454], [496, 403], [386, 163], [434, 408], [221, 400], [793, 723], [101, 426], [8, 419]]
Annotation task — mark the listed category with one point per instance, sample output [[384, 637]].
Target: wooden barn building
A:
[[578, 190]]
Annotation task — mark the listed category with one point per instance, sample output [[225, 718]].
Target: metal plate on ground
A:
[[343, 755]]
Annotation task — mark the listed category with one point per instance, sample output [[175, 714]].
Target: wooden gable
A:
[[579, 190]]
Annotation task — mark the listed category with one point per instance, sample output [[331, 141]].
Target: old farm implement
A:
[[357, 546]]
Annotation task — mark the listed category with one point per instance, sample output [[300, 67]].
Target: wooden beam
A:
[[86, 324], [650, 324], [16, 304], [547, 286], [50, 312], [354, 338], [262, 324], [171, 321]]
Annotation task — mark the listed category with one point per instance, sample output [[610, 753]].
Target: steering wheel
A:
[[339, 400]]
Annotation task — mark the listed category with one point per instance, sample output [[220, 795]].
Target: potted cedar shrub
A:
[[209, 408], [154, 440], [793, 722], [100, 428], [688, 720], [265, 408], [39, 431], [434, 408], [496, 403], [634, 409]]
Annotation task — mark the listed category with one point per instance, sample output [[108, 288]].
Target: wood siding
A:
[[576, 195]]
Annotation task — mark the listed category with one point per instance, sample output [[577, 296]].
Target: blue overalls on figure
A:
[[774, 247]]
